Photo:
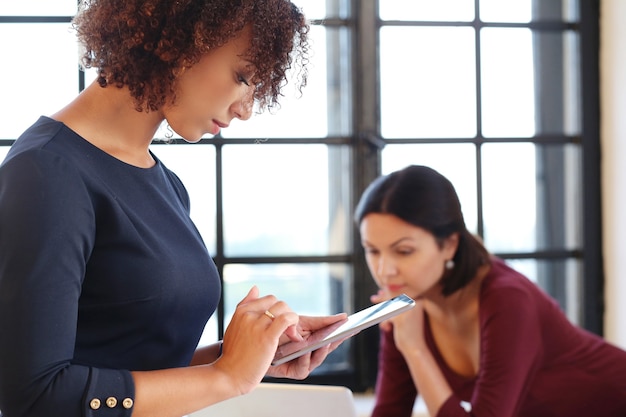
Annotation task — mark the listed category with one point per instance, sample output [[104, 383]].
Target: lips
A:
[[217, 125], [220, 124], [395, 288]]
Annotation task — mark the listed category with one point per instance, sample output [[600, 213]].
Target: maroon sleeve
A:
[[510, 354], [395, 390]]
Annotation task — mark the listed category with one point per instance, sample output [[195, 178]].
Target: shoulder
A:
[[38, 173], [502, 278], [46, 142], [37, 136], [505, 289]]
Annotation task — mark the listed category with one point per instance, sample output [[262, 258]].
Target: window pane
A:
[[523, 11], [508, 89], [428, 10], [322, 109], [309, 289], [514, 11], [38, 8], [313, 9], [531, 197], [279, 200], [509, 197], [44, 77], [557, 82], [195, 166], [429, 92], [316, 9], [457, 162], [559, 198], [3, 152], [562, 279], [90, 75], [529, 83]]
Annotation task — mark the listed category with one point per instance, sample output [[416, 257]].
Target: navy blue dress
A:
[[102, 272]]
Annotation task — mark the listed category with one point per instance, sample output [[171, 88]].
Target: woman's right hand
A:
[[252, 337]]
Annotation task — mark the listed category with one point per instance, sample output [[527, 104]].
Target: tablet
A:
[[343, 329]]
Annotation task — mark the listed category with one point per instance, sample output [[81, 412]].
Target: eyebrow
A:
[[397, 242], [245, 58]]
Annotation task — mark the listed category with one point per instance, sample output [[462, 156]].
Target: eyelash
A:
[[403, 252], [243, 79]]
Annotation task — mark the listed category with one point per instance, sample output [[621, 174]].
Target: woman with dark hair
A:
[[105, 282], [483, 340]]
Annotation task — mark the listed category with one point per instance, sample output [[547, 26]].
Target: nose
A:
[[242, 108], [385, 268]]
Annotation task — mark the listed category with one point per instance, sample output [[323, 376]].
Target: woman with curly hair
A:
[[105, 283]]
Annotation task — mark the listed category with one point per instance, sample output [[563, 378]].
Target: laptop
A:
[[286, 400]]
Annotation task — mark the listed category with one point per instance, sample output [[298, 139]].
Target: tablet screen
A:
[[345, 328]]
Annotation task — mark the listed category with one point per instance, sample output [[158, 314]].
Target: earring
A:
[[449, 264], [169, 133]]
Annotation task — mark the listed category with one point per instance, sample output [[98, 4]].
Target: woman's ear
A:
[[450, 245]]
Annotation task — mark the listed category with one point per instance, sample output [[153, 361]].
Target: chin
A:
[[191, 138]]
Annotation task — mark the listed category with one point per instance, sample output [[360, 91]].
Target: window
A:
[[500, 97], [494, 100]]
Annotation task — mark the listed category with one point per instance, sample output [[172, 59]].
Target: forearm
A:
[[180, 391], [428, 378]]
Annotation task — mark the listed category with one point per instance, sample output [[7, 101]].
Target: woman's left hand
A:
[[408, 328], [302, 366]]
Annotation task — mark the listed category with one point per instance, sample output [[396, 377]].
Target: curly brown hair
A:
[[145, 44]]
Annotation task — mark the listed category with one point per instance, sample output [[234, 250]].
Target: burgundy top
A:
[[533, 361]]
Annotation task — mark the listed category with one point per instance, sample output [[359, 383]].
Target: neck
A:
[[107, 118], [462, 303]]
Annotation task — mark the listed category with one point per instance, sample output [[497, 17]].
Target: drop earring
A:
[[169, 133]]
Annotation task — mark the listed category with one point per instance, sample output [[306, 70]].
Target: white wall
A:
[[613, 143]]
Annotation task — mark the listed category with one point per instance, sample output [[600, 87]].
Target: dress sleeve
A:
[[47, 231], [395, 390], [510, 355]]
